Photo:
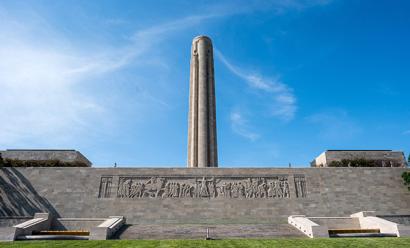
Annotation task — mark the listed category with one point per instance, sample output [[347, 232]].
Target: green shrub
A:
[[40, 163], [336, 164], [361, 162], [406, 178]]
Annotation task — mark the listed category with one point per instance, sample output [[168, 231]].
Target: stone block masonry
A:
[[201, 195], [202, 138]]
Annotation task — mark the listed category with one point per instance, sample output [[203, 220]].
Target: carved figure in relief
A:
[[174, 189], [167, 191], [212, 187], [137, 189], [281, 191], [241, 190], [225, 190], [124, 189], [248, 188], [197, 188], [252, 191], [287, 192], [271, 190], [274, 189], [154, 186], [203, 189], [235, 190], [171, 192], [284, 188], [181, 190], [262, 189], [188, 190], [185, 190]]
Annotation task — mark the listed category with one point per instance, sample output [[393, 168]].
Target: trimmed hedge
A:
[[38, 163], [362, 163], [406, 178]]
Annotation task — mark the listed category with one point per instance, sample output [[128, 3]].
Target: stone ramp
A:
[[13, 220], [220, 231], [337, 222]]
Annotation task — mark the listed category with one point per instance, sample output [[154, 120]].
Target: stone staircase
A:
[[194, 231]]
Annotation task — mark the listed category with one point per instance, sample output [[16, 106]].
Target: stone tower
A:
[[202, 146]]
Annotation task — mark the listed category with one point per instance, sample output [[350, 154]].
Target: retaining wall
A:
[[196, 195]]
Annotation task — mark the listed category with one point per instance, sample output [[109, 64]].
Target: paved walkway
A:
[[185, 231]]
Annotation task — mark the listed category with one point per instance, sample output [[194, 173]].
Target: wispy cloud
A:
[[240, 125], [284, 104], [39, 79], [335, 124], [38, 96], [41, 73], [145, 39]]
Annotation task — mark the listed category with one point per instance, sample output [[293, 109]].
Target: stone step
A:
[[362, 235], [52, 237], [220, 231]]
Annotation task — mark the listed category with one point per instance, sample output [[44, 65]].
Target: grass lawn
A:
[[300, 243]]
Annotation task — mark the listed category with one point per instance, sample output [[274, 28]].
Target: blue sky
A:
[[293, 78]]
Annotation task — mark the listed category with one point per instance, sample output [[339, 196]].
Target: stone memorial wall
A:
[[205, 195]]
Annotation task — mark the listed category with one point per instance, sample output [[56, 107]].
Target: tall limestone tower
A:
[[202, 146]]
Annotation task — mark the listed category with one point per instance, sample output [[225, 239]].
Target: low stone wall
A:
[[87, 224], [200, 196]]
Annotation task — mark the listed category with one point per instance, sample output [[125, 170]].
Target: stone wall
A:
[[201, 195]]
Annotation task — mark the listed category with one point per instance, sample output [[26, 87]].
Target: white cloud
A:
[[283, 100], [335, 124], [37, 89], [41, 71], [40, 76], [240, 125], [141, 42]]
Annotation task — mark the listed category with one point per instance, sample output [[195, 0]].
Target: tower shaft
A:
[[202, 145]]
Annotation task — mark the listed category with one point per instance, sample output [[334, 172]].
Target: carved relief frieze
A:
[[300, 185], [276, 186], [105, 187]]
